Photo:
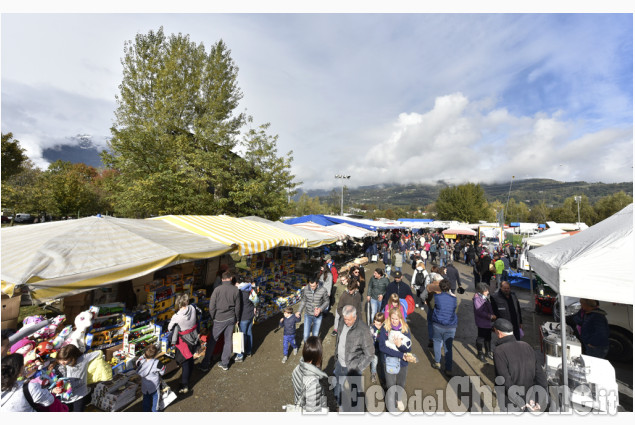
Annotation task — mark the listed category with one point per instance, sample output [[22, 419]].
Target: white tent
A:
[[545, 238], [596, 263], [352, 231]]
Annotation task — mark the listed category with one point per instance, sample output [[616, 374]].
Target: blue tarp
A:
[[358, 224], [318, 219]]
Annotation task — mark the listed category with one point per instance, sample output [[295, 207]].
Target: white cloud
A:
[[456, 143]]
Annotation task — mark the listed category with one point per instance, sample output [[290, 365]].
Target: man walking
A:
[[505, 305], [315, 300], [376, 289], [452, 274], [521, 370], [224, 310], [354, 350]]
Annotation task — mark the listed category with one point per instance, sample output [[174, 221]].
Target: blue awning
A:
[[315, 218]]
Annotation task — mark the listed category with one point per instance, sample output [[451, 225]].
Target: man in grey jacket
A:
[[354, 350], [315, 299], [224, 310]]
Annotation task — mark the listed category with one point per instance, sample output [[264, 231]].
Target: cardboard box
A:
[[10, 324], [80, 300], [111, 350], [10, 307], [138, 287]]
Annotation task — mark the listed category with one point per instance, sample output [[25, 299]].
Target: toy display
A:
[[83, 321]]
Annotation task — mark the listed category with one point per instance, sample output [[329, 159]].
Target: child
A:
[[393, 302], [288, 322], [74, 364], [150, 371], [378, 322]]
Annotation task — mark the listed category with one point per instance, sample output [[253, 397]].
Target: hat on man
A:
[[397, 274], [504, 325]]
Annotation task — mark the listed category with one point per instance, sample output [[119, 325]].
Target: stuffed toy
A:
[[83, 321], [49, 331], [61, 337], [24, 346]]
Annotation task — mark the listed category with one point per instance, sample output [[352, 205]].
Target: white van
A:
[[23, 218]]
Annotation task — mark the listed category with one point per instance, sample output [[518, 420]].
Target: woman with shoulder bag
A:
[[25, 396], [394, 342], [185, 338]]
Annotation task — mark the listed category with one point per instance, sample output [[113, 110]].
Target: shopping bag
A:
[[373, 258], [238, 340], [166, 396]]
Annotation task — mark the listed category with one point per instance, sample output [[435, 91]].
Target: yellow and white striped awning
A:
[[314, 227], [250, 237], [69, 257], [314, 239]]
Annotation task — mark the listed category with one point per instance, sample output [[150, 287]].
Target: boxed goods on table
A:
[[112, 396]]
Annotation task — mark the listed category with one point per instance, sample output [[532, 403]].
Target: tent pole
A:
[[565, 372]]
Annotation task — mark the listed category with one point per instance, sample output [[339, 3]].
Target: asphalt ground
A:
[[262, 383]]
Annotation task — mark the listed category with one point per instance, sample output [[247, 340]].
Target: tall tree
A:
[[568, 212], [609, 205], [465, 203], [539, 213], [265, 191], [517, 211], [72, 190], [13, 157], [175, 128]]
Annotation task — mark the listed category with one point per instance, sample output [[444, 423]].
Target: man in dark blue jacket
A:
[[594, 328], [398, 287]]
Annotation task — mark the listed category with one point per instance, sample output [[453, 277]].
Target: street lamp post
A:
[[508, 193], [342, 176], [578, 199]]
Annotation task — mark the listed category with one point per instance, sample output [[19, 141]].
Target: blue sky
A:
[[402, 97]]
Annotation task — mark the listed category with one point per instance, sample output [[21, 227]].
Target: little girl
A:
[[150, 371], [394, 302], [74, 365]]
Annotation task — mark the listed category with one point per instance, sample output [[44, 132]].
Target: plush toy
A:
[[44, 349], [24, 346], [83, 321], [62, 336], [49, 331]]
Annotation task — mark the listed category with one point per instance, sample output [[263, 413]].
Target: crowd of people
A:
[[380, 340]]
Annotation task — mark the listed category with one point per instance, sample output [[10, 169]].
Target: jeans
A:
[[373, 364], [443, 335], [392, 380], [398, 269], [150, 402], [348, 385], [186, 371], [227, 329], [246, 327], [286, 341], [441, 261], [375, 305], [312, 325]]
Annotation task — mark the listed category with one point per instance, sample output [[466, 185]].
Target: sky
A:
[[382, 97]]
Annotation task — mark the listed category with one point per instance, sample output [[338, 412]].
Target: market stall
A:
[[576, 267], [314, 239]]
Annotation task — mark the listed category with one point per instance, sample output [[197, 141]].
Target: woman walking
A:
[[394, 342]]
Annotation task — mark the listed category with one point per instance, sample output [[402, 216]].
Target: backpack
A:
[[420, 278]]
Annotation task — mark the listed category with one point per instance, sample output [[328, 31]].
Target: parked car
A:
[[6, 219], [23, 218], [620, 318]]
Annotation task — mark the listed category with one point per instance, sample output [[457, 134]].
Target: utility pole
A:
[[578, 199], [508, 193], [342, 177]]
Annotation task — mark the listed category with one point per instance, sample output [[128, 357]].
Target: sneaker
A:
[[203, 368], [417, 305], [490, 354], [295, 351], [184, 390], [284, 359], [436, 366], [481, 357], [373, 378], [222, 366], [248, 355], [334, 333], [401, 406], [239, 358]]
